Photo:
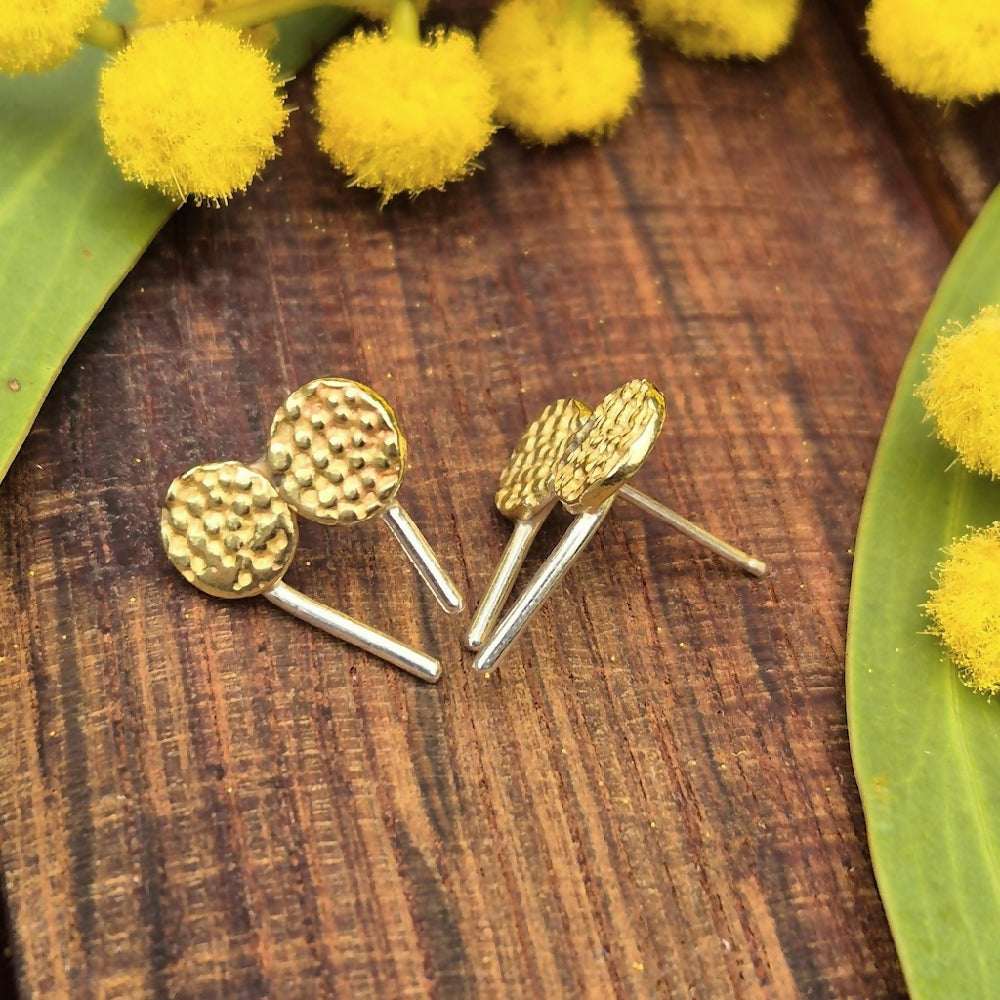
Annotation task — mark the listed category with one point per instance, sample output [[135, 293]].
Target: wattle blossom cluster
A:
[[191, 105], [961, 393]]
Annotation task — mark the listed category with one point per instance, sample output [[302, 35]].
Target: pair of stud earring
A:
[[582, 459], [336, 455]]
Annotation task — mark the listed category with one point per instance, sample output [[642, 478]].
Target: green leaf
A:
[[926, 748], [70, 227]]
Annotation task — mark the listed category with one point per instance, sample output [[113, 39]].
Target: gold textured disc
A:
[[611, 446], [336, 452], [526, 481], [227, 530]]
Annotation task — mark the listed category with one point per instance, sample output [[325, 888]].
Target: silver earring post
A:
[[349, 629], [411, 540], [502, 581], [752, 565], [555, 567]]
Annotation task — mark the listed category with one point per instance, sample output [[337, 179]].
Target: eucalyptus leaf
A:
[[70, 227], [926, 748]]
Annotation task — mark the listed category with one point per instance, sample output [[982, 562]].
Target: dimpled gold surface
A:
[[526, 481], [336, 452], [227, 530], [611, 446]]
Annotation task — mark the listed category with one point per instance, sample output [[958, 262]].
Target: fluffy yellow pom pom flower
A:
[[40, 34], [720, 29], [962, 391], [964, 609], [403, 115], [560, 72], [943, 49], [191, 108]]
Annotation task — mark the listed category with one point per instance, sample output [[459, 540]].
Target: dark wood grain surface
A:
[[653, 796]]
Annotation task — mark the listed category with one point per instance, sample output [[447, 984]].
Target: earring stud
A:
[[228, 532], [337, 456], [525, 496], [583, 459]]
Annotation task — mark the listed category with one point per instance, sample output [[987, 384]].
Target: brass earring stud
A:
[[525, 495], [227, 531], [337, 455]]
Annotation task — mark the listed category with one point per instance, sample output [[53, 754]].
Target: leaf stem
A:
[[404, 22], [249, 15]]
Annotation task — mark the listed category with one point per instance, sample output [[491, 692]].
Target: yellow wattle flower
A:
[[722, 29], [403, 115], [942, 49], [560, 72], [962, 391], [191, 108], [36, 35], [964, 608]]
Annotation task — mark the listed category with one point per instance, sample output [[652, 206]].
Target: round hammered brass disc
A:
[[611, 446], [336, 452], [526, 481], [227, 531]]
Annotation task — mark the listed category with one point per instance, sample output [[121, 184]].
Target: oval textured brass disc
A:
[[611, 446], [227, 531], [336, 452], [526, 481]]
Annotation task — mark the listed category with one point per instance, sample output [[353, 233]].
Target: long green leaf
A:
[[70, 227], [927, 749]]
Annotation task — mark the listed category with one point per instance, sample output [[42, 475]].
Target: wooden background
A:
[[653, 796]]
